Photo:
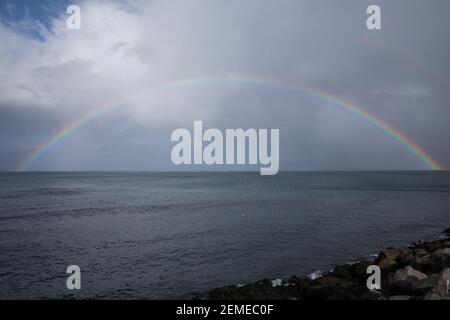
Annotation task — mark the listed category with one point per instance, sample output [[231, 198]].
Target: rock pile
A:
[[419, 271]]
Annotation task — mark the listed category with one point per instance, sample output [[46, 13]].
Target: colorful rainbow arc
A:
[[376, 121]]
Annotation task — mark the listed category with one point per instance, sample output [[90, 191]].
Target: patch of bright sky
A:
[[32, 17]]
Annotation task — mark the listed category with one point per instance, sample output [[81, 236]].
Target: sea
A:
[[177, 235]]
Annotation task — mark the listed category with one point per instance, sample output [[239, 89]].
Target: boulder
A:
[[429, 246], [329, 281], [297, 286], [408, 272], [403, 297], [343, 272], [406, 282], [440, 254], [260, 290], [405, 260], [420, 252], [359, 269], [387, 264], [393, 254], [422, 287], [433, 246], [433, 296], [433, 262], [422, 263], [330, 287], [441, 290], [413, 287]]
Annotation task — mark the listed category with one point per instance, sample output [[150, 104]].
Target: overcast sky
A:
[[50, 75]]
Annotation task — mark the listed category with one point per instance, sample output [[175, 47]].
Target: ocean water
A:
[[172, 235]]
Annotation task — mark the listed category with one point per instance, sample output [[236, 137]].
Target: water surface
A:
[[169, 235]]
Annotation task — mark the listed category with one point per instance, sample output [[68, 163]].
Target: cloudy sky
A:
[[127, 50]]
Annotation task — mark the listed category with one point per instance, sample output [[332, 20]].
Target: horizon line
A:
[[220, 171]]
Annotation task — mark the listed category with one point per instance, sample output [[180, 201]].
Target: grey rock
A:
[[359, 269], [433, 296], [408, 272], [394, 253], [440, 254], [430, 246], [433, 262], [420, 252], [441, 290], [422, 270], [387, 264], [425, 285], [404, 297], [409, 281]]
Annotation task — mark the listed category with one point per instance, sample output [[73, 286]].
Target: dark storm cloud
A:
[[399, 73]]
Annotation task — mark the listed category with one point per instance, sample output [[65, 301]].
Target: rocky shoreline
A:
[[420, 271]]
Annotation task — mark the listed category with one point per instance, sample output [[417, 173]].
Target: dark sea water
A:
[[170, 235]]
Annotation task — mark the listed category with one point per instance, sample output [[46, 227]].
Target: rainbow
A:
[[350, 106]]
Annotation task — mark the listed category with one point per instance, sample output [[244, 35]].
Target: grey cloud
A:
[[399, 73]]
